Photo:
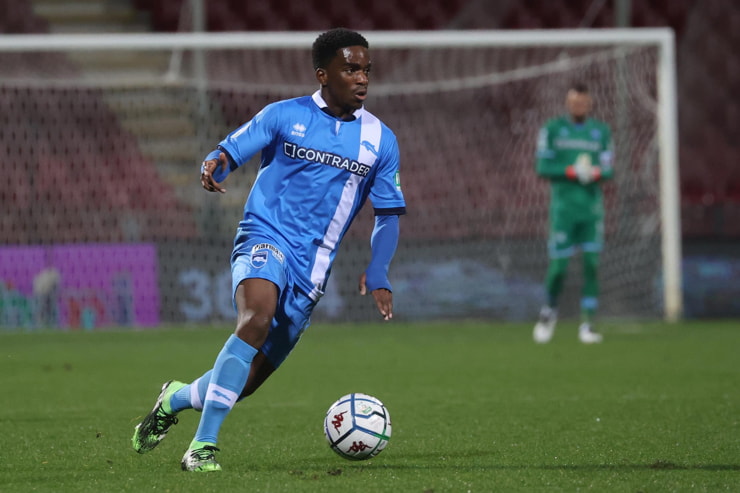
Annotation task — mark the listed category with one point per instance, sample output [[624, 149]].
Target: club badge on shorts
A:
[[260, 253]]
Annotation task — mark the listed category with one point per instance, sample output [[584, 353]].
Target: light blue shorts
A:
[[257, 258]]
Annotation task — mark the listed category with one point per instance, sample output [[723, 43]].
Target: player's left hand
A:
[[383, 298], [206, 173]]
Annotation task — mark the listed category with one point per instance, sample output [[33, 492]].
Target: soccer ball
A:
[[357, 426]]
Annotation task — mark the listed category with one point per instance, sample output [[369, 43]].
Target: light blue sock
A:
[[191, 396], [229, 375]]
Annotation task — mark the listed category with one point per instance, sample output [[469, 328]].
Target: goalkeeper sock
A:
[[191, 396], [590, 293], [588, 308], [556, 272], [230, 373]]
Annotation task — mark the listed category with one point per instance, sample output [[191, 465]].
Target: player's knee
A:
[[558, 267], [253, 327]]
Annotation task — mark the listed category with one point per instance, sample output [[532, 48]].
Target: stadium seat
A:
[[19, 18]]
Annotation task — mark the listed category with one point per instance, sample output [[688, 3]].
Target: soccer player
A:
[[322, 156], [575, 153]]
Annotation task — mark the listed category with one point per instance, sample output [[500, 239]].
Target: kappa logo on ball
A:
[[337, 421], [358, 447]]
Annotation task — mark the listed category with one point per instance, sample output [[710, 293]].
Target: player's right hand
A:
[[584, 169], [206, 173]]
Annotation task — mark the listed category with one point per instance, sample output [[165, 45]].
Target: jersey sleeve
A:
[[606, 156], [252, 137], [546, 164], [385, 193]]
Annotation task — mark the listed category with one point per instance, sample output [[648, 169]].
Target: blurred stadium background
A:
[[104, 222]]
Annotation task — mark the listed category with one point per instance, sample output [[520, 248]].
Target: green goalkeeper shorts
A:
[[568, 234]]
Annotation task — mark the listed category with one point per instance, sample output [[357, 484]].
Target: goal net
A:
[[106, 223]]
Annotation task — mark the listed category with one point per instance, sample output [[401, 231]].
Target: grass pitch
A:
[[475, 407]]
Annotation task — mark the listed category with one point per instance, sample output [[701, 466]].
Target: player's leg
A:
[[256, 300], [591, 245], [290, 320], [590, 292], [258, 275], [548, 317], [556, 273], [190, 396], [176, 396], [560, 249]]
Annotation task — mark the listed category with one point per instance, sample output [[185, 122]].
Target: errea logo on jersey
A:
[[299, 130]]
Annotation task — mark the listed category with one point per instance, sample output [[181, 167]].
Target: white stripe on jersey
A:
[[369, 134]]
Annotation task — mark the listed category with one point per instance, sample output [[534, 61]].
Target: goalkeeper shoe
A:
[[201, 458], [587, 336], [154, 427], [545, 326]]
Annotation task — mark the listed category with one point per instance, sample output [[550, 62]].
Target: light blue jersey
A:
[[316, 172]]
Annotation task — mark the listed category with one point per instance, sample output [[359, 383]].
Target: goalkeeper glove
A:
[[583, 171]]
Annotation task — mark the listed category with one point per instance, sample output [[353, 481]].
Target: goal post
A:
[[465, 105]]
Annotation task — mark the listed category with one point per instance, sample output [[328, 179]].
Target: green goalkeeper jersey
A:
[[561, 143]]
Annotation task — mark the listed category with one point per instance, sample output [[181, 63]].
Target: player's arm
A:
[[547, 164], [215, 168], [238, 148], [389, 204], [383, 244], [606, 157]]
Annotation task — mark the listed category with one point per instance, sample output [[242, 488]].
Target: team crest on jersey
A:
[[299, 130], [564, 132], [596, 134]]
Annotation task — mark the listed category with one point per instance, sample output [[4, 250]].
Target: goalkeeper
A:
[[574, 152]]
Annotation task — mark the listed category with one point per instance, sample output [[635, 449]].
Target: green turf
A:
[[475, 407]]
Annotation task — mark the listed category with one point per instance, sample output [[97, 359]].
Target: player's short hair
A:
[[326, 45], [579, 87]]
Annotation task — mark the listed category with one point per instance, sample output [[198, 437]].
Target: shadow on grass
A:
[[659, 466], [453, 463]]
